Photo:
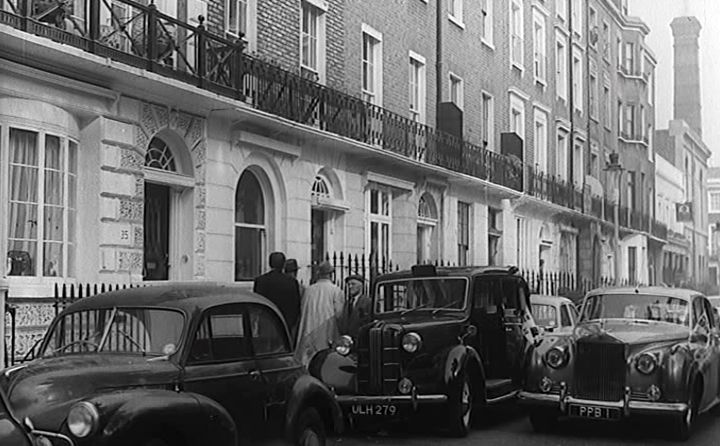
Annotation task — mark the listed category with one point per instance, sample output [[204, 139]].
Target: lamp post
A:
[[615, 171]]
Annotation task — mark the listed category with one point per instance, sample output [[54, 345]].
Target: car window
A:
[[495, 292], [268, 332], [700, 318], [710, 311], [221, 336], [565, 320], [573, 313]]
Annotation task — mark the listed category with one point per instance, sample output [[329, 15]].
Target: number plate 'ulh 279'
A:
[[388, 410]]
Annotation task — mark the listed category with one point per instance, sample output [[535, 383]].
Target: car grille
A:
[[379, 361], [600, 371]]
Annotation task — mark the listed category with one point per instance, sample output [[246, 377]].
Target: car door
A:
[[220, 365], [704, 349], [714, 346], [513, 303], [275, 360]]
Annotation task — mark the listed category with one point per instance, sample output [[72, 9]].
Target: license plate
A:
[[594, 412], [376, 410]]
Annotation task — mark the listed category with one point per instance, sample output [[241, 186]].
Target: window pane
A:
[[23, 184], [249, 202], [23, 221], [53, 152], [374, 202], [385, 204], [386, 241], [53, 187], [268, 332], [53, 256], [232, 16], [23, 147], [53, 227], [72, 156], [71, 225], [21, 258], [72, 191], [248, 252], [71, 260], [374, 240]]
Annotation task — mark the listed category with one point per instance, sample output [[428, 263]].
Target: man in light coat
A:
[[322, 307]]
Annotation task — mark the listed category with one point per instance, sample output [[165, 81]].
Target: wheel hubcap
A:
[[310, 438], [466, 403]]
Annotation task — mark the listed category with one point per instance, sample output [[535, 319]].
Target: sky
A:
[[658, 14]]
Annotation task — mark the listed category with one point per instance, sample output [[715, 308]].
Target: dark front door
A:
[[157, 223], [317, 236]]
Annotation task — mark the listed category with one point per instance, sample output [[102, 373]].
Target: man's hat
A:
[[291, 265], [357, 277], [325, 268]]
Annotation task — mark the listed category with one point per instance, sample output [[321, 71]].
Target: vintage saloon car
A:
[[635, 351], [553, 313], [441, 341], [173, 364]]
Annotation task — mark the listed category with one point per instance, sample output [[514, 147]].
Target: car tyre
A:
[[310, 429], [543, 420], [684, 423], [460, 408]]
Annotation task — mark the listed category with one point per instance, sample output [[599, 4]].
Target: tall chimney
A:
[[686, 31]]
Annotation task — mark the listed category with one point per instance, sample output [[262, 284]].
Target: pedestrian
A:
[[357, 306], [282, 290], [291, 269], [322, 307]]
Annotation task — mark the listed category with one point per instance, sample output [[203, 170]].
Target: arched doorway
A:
[[168, 215], [250, 227]]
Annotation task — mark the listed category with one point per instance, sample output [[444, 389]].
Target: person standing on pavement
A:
[[291, 269], [281, 289], [357, 307], [322, 307]]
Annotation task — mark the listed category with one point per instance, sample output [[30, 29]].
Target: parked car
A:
[[553, 313], [441, 340], [172, 364], [635, 351]]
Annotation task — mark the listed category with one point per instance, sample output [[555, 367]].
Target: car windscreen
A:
[[147, 331], [636, 306], [545, 315], [431, 293]]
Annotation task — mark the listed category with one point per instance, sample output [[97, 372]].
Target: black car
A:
[[172, 364], [441, 339]]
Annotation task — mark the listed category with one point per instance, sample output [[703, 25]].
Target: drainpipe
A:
[[438, 57], [3, 301], [571, 98]]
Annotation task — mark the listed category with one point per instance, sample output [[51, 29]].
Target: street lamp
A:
[[615, 171]]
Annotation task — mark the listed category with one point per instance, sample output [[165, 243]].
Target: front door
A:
[[317, 235], [156, 231]]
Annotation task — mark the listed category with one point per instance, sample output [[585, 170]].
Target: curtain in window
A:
[[53, 223], [22, 245]]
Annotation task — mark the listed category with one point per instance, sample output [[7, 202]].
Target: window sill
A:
[[487, 43], [459, 23], [518, 65], [541, 82]]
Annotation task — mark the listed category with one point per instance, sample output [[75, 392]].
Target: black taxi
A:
[[439, 340]]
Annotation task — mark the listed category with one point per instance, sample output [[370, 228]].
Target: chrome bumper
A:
[[626, 405]]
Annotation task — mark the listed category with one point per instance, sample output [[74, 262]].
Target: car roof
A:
[[452, 271], [183, 296], [545, 299], [681, 293]]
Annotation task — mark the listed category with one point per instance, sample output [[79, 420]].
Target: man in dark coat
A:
[[357, 307], [282, 290]]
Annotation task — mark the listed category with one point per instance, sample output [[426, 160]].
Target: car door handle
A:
[[255, 375]]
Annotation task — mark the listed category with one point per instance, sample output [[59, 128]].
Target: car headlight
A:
[[557, 357], [343, 345], [82, 419], [646, 363], [411, 342]]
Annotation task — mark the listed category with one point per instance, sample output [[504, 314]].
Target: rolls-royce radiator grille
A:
[[599, 371], [379, 362]]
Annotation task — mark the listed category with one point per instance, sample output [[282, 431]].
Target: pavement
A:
[[509, 426]]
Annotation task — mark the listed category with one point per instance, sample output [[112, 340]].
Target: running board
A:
[[502, 398]]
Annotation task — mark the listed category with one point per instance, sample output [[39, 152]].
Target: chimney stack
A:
[[686, 31]]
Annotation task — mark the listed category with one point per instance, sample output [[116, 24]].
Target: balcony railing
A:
[[141, 36]]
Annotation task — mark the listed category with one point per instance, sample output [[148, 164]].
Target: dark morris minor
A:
[[440, 341], [14, 432], [171, 364], [648, 351]]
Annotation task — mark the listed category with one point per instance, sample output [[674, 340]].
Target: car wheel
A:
[[310, 430], [543, 420], [461, 408]]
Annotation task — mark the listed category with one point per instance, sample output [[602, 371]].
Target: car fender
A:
[[682, 371], [457, 360], [308, 391], [188, 417]]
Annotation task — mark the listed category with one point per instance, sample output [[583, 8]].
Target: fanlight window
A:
[[159, 156], [320, 187]]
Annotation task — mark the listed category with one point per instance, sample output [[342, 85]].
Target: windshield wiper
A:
[[84, 341], [410, 310], [445, 307]]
